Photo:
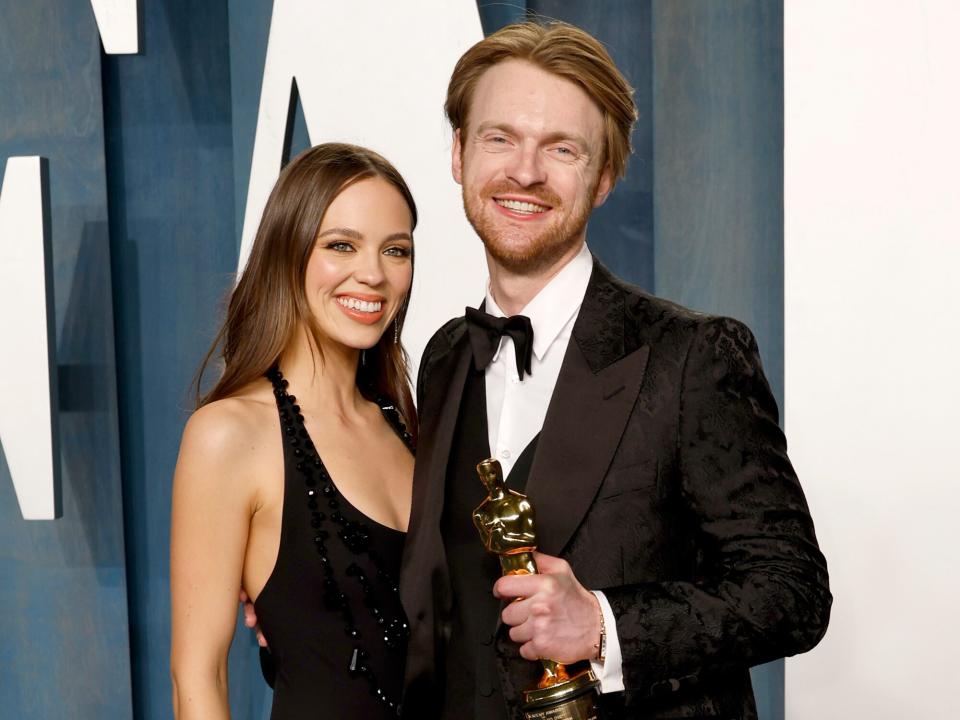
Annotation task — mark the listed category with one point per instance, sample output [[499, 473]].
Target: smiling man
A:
[[677, 549]]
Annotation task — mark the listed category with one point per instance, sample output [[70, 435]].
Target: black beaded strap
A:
[[392, 415], [355, 536]]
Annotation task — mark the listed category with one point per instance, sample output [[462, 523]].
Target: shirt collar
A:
[[555, 304]]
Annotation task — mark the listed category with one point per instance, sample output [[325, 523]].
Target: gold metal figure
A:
[[507, 525]]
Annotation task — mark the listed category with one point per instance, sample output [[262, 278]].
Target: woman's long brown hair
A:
[[269, 303]]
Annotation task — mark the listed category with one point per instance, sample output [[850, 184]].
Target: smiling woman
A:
[[302, 501], [270, 304], [360, 272]]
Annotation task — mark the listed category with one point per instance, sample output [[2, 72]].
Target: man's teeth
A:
[[523, 207], [361, 305]]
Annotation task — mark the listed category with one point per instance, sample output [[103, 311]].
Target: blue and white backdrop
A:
[[138, 142]]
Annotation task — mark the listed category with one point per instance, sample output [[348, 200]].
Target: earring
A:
[[396, 332]]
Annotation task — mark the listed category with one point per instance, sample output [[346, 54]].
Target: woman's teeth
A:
[[361, 305]]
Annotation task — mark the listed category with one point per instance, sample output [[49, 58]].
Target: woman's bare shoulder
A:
[[232, 429]]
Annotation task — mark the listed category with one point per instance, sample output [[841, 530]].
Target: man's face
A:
[[529, 161]]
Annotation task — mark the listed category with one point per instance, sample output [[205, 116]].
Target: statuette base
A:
[[575, 699]]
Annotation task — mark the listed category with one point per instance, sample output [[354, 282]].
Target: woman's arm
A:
[[212, 501]]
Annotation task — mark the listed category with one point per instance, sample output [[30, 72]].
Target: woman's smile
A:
[[367, 309]]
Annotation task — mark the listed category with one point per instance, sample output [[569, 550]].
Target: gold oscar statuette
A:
[[507, 527]]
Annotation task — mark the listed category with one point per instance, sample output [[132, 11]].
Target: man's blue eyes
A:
[[560, 150]]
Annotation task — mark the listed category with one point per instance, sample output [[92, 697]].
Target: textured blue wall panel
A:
[[718, 133], [63, 629], [249, 23], [170, 165], [718, 182]]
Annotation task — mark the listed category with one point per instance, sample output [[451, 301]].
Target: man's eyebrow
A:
[[574, 138], [490, 125], [348, 232]]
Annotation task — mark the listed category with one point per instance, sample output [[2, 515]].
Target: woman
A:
[[294, 477]]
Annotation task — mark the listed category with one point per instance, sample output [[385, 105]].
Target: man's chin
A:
[[529, 260]]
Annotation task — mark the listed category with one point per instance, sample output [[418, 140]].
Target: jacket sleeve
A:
[[761, 589]]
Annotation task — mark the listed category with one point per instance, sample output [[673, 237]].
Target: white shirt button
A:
[[505, 454]]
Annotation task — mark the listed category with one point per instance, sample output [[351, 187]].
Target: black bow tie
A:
[[485, 334]]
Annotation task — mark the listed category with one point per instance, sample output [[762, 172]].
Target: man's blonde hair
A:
[[563, 50]]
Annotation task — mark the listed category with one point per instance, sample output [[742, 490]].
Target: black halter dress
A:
[[331, 609]]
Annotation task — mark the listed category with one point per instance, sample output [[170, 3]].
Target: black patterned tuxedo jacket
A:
[[661, 476]]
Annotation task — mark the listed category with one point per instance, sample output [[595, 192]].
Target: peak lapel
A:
[[438, 419], [597, 389]]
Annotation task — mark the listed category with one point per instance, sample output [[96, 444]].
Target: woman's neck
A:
[[324, 378]]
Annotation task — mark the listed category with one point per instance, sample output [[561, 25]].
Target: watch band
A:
[[601, 647]]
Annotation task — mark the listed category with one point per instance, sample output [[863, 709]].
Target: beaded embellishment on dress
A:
[[323, 503]]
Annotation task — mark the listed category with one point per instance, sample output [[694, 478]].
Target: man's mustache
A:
[[543, 195]]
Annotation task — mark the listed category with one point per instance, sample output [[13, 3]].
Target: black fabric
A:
[[486, 332], [310, 652], [661, 476], [472, 680]]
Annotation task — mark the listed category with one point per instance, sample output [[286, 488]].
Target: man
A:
[[676, 545]]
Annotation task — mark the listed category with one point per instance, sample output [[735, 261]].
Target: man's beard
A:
[[536, 253]]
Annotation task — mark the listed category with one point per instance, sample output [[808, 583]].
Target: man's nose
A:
[[526, 167]]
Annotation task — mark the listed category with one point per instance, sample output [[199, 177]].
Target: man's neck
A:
[[513, 291]]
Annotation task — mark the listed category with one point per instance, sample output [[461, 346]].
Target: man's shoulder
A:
[[644, 309], [671, 328], [440, 343], [446, 337]]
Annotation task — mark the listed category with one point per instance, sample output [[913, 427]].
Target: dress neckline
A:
[[354, 535]]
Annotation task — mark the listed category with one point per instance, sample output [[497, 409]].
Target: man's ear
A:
[[604, 186], [456, 161]]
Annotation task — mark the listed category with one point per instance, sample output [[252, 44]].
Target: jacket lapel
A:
[[443, 390], [596, 391]]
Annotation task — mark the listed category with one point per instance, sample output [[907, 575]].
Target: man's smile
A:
[[520, 206]]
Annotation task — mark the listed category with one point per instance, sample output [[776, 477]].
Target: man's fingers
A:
[[249, 615], [512, 586], [261, 640], [516, 612], [521, 633], [527, 652], [549, 564]]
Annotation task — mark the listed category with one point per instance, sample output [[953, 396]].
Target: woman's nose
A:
[[370, 268]]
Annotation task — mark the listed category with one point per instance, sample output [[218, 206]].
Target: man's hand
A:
[[250, 618], [555, 617]]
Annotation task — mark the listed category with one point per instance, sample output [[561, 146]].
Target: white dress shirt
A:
[[517, 408]]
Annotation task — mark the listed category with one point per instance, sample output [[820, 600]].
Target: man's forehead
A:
[[516, 94]]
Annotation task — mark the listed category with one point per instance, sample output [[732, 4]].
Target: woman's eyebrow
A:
[[348, 232]]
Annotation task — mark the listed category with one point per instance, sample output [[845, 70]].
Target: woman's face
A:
[[361, 266]]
